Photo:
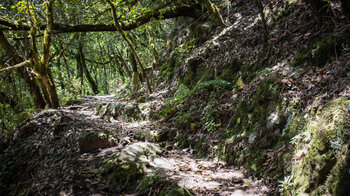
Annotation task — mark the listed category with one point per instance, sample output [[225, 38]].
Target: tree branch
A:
[[24, 63], [166, 13]]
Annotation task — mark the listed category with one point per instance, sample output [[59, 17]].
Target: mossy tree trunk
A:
[[135, 76], [41, 65], [28, 77]]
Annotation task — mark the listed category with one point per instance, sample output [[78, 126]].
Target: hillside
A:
[[251, 100]]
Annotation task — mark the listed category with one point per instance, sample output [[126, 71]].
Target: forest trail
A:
[[199, 176]]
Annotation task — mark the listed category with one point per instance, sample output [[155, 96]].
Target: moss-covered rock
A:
[[126, 172], [157, 185], [322, 160], [127, 112], [123, 174], [256, 131]]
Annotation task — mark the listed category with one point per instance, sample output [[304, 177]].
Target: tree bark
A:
[[24, 63], [42, 67]]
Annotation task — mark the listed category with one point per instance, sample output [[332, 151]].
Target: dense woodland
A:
[[175, 97]]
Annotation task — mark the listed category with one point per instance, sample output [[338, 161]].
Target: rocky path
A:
[[200, 176], [72, 145]]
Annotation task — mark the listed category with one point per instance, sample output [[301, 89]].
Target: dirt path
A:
[[50, 159], [200, 176]]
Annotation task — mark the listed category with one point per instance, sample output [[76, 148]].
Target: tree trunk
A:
[[135, 76], [45, 77], [50, 89], [84, 70], [125, 37], [27, 76], [39, 101]]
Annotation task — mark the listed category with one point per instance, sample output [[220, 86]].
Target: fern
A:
[[183, 90]]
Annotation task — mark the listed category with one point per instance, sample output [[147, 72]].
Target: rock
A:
[[127, 112], [94, 141]]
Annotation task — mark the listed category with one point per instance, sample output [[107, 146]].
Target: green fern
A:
[[182, 91]]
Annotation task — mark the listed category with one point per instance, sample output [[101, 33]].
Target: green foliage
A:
[[287, 186], [320, 53], [209, 116], [10, 119]]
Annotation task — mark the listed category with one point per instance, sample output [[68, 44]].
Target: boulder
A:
[[93, 141]]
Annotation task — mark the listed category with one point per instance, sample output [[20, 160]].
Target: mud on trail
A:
[[81, 150]]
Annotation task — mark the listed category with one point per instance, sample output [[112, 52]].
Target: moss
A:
[[195, 76], [167, 69], [157, 185], [231, 68], [319, 53], [325, 139], [122, 174], [249, 70]]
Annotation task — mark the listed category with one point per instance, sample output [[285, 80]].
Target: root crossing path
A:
[[78, 170]]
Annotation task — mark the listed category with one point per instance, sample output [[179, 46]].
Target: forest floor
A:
[[58, 165]]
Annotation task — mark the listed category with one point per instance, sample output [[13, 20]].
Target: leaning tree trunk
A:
[[131, 46]]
